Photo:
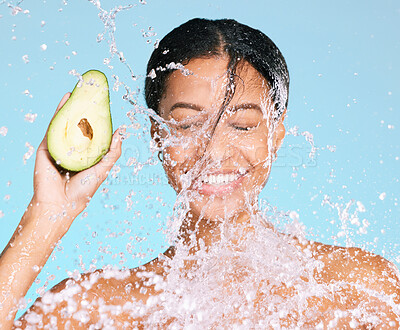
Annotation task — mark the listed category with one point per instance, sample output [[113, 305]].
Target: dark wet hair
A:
[[204, 38]]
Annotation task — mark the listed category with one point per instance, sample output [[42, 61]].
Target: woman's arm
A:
[[57, 201], [25, 255]]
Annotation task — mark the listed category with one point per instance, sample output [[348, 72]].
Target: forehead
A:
[[205, 81]]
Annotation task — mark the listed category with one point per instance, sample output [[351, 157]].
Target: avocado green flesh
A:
[[80, 133]]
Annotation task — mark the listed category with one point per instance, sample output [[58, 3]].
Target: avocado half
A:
[[80, 133]]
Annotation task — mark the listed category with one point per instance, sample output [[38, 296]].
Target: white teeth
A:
[[220, 178]]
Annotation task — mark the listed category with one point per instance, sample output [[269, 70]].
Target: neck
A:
[[198, 232]]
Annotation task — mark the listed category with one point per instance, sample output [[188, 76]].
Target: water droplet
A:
[[294, 215], [331, 148], [30, 117], [25, 58], [3, 130], [15, 10], [29, 153], [152, 74], [360, 207]]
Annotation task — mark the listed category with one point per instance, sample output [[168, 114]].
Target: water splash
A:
[[239, 278], [29, 153], [30, 117], [309, 138], [108, 19], [351, 226]]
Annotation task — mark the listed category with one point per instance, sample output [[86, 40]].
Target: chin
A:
[[215, 207]]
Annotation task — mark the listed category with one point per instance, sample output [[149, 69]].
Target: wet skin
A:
[[239, 144], [354, 266], [243, 139]]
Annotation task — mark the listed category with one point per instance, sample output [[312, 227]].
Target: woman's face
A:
[[225, 168]]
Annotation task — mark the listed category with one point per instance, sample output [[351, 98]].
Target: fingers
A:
[[62, 102], [108, 161], [43, 159]]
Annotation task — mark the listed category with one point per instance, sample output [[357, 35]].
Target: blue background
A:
[[343, 58]]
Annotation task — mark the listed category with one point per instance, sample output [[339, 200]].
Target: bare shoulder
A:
[[363, 288], [101, 296], [357, 266]]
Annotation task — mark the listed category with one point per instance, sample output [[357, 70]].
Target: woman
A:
[[220, 91]]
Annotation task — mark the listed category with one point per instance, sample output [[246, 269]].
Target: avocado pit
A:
[[86, 128]]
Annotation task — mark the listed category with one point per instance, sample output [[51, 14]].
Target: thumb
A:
[[65, 98]]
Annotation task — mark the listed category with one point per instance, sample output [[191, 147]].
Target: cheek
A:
[[178, 160], [255, 149], [261, 153], [182, 151]]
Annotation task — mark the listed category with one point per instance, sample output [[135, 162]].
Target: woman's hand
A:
[[65, 193], [57, 200]]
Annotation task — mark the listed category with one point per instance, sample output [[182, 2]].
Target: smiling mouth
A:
[[220, 183], [220, 179]]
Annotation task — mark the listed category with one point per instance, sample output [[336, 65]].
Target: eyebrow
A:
[[187, 106], [199, 108], [246, 106]]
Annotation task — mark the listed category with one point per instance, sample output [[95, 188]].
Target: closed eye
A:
[[187, 124], [243, 128], [244, 119]]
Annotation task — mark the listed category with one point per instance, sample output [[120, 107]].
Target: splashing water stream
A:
[[261, 273]]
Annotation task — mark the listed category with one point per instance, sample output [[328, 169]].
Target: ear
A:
[[155, 132], [154, 129], [279, 133]]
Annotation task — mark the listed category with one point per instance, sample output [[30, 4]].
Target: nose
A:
[[219, 146]]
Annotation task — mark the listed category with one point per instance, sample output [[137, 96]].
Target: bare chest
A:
[[236, 304]]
